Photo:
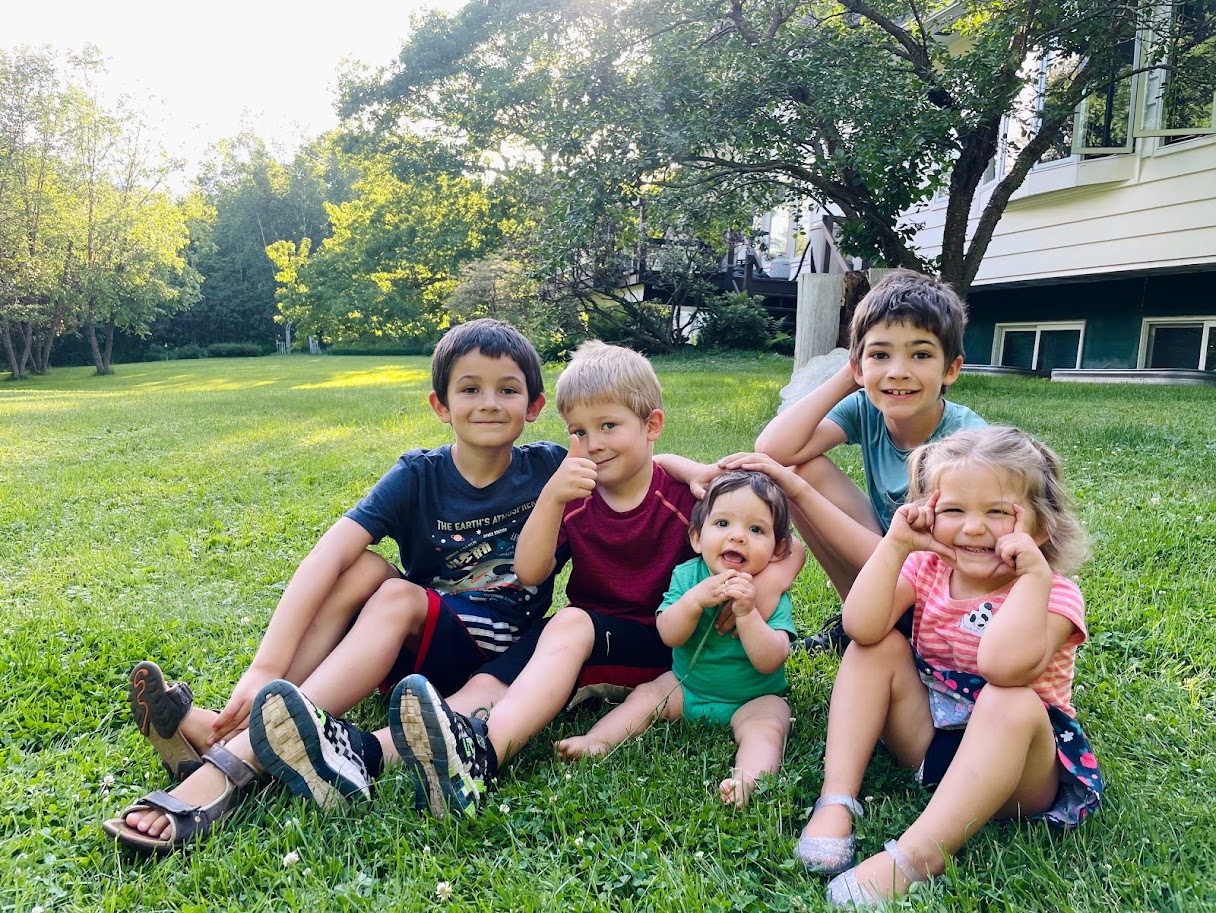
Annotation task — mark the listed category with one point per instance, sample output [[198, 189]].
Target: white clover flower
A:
[[291, 858], [1154, 501], [1149, 718], [244, 619], [505, 809], [699, 854], [569, 776], [443, 890], [107, 781], [552, 798], [38, 910], [578, 841]]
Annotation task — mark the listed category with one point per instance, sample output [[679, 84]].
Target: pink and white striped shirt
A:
[[946, 631]]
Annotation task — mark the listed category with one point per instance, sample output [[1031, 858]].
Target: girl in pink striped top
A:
[[980, 702]]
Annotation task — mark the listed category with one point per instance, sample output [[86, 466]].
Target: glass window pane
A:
[[1190, 87], [1175, 346], [1018, 349], [1058, 349], [1108, 111]]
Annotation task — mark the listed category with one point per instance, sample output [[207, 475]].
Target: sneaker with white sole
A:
[[449, 754], [306, 748]]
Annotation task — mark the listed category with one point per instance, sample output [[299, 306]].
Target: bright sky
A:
[[213, 64]]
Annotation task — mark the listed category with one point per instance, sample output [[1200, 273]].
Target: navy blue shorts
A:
[[625, 653], [459, 637]]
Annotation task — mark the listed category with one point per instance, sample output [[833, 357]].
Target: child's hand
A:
[[575, 477], [742, 594], [1019, 551], [234, 718], [912, 528], [784, 476], [712, 590]]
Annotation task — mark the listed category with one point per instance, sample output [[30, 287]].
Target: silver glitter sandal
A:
[[844, 890], [829, 855]]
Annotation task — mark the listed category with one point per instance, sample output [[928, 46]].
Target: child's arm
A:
[[696, 476], [340, 546], [766, 648], [1023, 636], [679, 620], [536, 548], [880, 595], [803, 431]]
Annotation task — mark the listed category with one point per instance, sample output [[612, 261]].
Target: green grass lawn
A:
[[158, 513]]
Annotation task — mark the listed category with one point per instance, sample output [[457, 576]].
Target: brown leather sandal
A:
[[159, 709], [187, 823]]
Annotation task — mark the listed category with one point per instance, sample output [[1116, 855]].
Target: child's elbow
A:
[[1008, 671], [533, 575], [770, 664]]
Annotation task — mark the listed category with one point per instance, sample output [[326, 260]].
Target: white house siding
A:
[[1130, 213]]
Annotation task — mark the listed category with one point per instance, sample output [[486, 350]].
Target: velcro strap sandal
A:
[[829, 855], [187, 823], [159, 708]]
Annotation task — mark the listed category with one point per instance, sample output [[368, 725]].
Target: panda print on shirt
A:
[[975, 621]]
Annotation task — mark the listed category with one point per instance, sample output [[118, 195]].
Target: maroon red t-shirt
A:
[[622, 562]]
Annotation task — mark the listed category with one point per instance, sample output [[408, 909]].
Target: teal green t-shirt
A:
[[885, 464], [722, 671]]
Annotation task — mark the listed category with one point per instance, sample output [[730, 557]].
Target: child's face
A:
[[903, 369], [974, 510], [487, 401], [619, 442], [737, 534]]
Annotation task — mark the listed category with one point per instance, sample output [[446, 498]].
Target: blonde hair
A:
[[1029, 462], [602, 373]]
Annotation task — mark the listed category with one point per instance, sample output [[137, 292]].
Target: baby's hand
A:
[[741, 592], [575, 477], [1019, 550], [912, 528], [712, 590]]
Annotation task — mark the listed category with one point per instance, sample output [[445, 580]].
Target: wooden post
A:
[[819, 299]]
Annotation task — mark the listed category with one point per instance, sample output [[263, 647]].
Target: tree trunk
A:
[[42, 352], [109, 352], [27, 344], [10, 353], [90, 330]]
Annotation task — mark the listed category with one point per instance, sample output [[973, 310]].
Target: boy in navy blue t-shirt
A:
[[349, 620]]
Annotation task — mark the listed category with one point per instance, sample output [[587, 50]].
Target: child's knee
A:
[[397, 605], [1018, 706], [570, 623]]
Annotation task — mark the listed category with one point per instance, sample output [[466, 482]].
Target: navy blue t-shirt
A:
[[456, 538]]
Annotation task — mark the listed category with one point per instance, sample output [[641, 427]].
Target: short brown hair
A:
[[494, 339], [922, 301]]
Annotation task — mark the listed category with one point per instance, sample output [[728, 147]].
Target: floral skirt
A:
[[951, 700]]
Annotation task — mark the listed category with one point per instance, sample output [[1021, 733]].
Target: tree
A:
[[869, 107], [394, 254]]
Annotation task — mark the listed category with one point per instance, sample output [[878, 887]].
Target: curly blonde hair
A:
[[1032, 463]]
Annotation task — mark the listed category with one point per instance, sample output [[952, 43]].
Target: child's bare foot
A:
[[736, 791], [579, 746]]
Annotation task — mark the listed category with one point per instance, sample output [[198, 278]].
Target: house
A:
[[1105, 258]]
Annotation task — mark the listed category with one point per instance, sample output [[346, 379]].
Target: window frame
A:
[[1208, 321], [999, 331]]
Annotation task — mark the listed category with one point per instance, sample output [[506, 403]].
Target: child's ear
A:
[[694, 537], [534, 407], [953, 371], [782, 550], [441, 410], [654, 425], [858, 377]]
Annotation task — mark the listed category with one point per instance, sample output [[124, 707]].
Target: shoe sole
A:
[[409, 733], [289, 742], [158, 719], [431, 744]]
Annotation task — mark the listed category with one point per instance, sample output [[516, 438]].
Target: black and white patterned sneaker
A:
[[306, 748], [449, 754], [830, 638]]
